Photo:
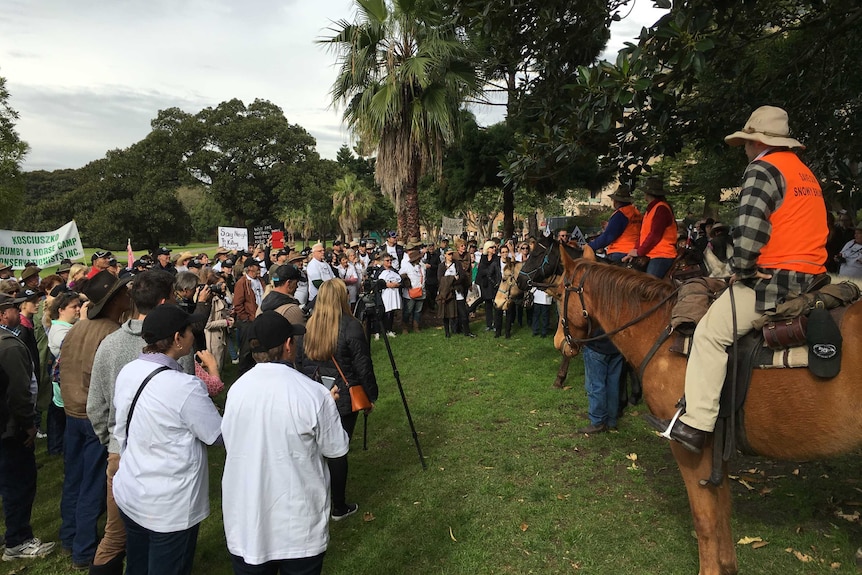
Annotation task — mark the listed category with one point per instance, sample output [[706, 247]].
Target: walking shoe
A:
[[235, 361], [41, 434], [81, 565], [390, 333], [376, 337], [349, 509], [600, 428], [28, 550]]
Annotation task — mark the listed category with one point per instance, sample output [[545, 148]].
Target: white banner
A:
[[452, 226], [46, 249], [233, 238]]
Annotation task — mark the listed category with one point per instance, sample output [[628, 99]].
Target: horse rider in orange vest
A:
[[657, 239], [623, 229], [779, 248]]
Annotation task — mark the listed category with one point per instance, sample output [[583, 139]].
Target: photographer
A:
[[192, 297], [220, 320]]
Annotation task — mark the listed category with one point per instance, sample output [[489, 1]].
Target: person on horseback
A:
[[623, 229], [657, 240], [779, 248]]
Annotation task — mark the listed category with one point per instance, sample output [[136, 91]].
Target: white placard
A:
[[44, 248], [233, 238], [452, 226]]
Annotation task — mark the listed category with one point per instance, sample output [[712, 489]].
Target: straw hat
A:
[[767, 125]]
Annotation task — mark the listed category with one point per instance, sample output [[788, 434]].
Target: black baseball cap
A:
[[271, 330], [163, 251], [284, 273], [166, 320]]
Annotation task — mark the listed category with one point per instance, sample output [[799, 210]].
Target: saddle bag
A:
[[785, 333]]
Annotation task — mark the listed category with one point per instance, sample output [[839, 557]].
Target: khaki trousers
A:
[[707, 363], [114, 541]]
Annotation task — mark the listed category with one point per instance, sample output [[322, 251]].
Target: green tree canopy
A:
[[12, 152], [403, 74]]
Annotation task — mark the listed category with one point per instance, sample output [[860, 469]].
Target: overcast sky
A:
[[87, 76]]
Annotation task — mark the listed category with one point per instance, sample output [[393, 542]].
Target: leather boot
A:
[[446, 327], [415, 327]]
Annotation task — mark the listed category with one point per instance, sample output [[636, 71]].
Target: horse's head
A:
[[508, 289], [574, 323], [543, 267]]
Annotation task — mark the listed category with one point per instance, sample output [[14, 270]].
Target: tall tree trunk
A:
[[508, 210], [408, 217], [533, 225]]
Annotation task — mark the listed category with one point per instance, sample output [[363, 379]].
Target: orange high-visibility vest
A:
[[666, 246], [799, 230], [627, 240]]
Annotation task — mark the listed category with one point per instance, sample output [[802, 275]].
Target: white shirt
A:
[[350, 272], [393, 251], [256, 288], [163, 481], [278, 427], [391, 296], [317, 270], [416, 273]]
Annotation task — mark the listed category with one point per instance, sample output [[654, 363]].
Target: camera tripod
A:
[[369, 311]]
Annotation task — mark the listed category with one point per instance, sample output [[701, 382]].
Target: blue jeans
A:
[[658, 267], [302, 566], [84, 489], [150, 552], [541, 319], [17, 488], [56, 423], [412, 310], [602, 382]]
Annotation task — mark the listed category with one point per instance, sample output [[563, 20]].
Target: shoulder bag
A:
[[138, 394], [358, 398]]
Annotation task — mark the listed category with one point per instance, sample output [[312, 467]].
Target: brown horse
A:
[[789, 414]]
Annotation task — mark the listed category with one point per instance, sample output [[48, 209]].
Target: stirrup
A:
[[666, 432]]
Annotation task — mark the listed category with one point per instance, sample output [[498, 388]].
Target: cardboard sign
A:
[[233, 238]]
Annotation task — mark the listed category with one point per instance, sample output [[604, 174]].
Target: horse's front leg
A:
[[563, 372], [710, 510]]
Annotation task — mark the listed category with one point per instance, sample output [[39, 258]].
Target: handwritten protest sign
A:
[[233, 238], [45, 249]]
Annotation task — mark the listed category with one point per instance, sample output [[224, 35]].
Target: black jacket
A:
[[16, 368], [353, 356], [488, 276]]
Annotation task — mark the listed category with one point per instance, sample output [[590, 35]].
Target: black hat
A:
[[228, 263], [7, 300], [58, 289], [100, 289], [250, 262], [30, 295], [284, 273], [163, 251], [282, 252], [65, 266], [271, 329], [195, 263], [100, 254], [164, 321]]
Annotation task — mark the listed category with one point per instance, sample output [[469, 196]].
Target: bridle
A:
[[576, 343], [508, 282], [545, 263]]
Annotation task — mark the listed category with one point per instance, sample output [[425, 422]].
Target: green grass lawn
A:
[[511, 488]]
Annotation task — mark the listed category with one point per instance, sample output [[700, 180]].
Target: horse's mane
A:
[[621, 289]]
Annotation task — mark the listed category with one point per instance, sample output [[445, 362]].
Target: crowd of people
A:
[[87, 348]]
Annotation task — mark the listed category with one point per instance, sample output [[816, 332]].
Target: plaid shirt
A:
[[762, 193]]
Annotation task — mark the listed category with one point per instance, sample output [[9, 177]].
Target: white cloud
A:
[[88, 76]]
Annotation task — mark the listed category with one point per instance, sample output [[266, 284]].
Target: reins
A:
[[575, 343]]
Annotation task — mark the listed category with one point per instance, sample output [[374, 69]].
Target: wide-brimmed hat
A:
[[101, 288], [654, 186], [222, 250], [185, 256], [29, 272], [4, 267], [623, 194], [7, 300], [295, 256], [767, 125], [62, 268], [413, 245]]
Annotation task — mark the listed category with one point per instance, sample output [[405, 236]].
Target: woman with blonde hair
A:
[[335, 345]]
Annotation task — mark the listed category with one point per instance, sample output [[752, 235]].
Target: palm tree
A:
[[351, 203], [403, 73]]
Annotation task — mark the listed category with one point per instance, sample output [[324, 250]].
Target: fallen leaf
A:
[[562, 497], [567, 387], [533, 410], [759, 544], [472, 379], [746, 484], [632, 456], [576, 566], [801, 556], [417, 503], [835, 565], [524, 526], [748, 540], [852, 518], [368, 516], [796, 471], [766, 491], [452, 535]]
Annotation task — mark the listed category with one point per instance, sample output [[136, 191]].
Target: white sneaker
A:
[[390, 334], [28, 550], [376, 337]]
